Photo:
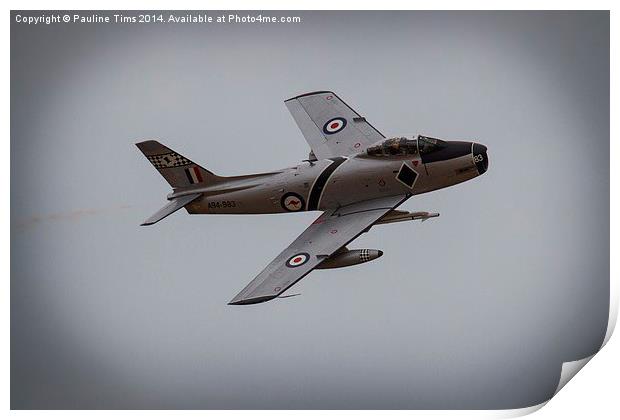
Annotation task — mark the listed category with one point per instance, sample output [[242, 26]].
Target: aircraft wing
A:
[[330, 126], [326, 235]]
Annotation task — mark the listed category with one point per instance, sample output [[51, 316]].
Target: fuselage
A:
[[383, 170]]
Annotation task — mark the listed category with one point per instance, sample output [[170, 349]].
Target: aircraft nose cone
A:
[[481, 159]]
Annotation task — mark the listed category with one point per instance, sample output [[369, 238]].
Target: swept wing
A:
[[330, 126], [326, 235]]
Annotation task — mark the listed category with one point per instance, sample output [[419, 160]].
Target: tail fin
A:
[[176, 169]]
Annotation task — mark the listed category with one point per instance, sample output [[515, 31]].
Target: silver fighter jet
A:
[[354, 176]]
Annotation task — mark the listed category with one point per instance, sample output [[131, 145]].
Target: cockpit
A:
[[401, 146]]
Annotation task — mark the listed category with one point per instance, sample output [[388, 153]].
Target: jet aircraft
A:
[[353, 175]]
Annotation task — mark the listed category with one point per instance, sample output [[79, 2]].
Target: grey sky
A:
[[476, 309]]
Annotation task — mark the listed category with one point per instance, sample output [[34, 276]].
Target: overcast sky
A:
[[475, 309]]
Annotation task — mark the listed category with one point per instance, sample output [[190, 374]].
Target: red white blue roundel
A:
[[335, 125], [297, 260]]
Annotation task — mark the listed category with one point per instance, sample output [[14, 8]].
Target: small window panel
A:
[[407, 176]]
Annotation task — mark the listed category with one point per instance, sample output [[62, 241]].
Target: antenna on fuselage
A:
[[311, 158]]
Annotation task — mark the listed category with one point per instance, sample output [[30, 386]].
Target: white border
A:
[[602, 382], [417, 175]]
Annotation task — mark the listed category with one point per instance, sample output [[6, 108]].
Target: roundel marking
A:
[[297, 260], [292, 202], [335, 125]]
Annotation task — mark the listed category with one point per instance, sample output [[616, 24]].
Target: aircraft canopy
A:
[[400, 146]]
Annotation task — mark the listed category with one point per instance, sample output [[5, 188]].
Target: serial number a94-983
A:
[[221, 204]]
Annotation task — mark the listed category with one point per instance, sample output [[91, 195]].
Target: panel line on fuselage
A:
[[316, 192]]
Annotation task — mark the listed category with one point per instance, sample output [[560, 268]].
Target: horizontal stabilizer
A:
[[171, 207]]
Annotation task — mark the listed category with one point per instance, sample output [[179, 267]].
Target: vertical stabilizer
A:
[[176, 169]]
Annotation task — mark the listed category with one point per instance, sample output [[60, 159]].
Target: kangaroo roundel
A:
[[335, 125], [292, 202]]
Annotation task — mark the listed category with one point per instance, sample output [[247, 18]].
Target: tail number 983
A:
[[222, 204]]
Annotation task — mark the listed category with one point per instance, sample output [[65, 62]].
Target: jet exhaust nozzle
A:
[[350, 257]]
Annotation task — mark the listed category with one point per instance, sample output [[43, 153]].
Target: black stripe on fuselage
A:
[[321, 181]]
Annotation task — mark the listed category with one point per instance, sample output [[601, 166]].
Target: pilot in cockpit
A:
[[400, 146]]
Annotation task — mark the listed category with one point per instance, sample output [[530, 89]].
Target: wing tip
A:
[[252, 300], [316, 92]]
